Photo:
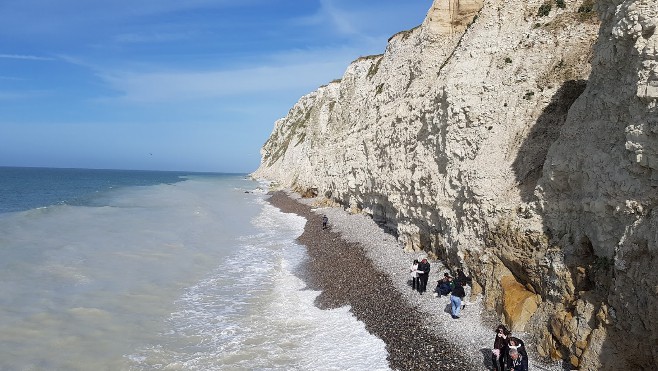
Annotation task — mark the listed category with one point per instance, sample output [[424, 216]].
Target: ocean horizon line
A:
[[118, 169]]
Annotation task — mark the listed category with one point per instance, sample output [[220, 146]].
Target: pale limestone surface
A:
[[481, 138]]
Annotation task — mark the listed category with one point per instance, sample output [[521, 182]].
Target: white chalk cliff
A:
[[517, 140]]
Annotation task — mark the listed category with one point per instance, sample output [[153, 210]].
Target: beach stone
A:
[[347, 277]]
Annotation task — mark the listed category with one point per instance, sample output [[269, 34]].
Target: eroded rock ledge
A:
[[518, 141]]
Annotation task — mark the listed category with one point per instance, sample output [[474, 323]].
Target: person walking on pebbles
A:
[[456, 298], [325, 221]]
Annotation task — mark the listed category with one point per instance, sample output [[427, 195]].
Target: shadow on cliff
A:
[[531, 156], [594, 276]]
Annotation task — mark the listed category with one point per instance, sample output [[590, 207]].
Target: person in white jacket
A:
[[415, 282]]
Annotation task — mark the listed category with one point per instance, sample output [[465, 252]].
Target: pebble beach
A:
[[355, 263]]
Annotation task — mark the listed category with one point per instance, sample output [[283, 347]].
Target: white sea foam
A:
[[129, 255], [255, 313], [196, 275]]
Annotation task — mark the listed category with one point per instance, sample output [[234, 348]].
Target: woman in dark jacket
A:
[[500, 343]]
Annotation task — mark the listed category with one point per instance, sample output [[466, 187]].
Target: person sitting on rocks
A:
[[499, 346], [445, 285], [415, 283]]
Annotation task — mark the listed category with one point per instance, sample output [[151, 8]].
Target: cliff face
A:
[[482, 137]]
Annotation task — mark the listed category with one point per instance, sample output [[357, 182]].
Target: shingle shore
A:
[[356, 263], [345, 276]]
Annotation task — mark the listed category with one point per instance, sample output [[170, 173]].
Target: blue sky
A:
[[190, 85]]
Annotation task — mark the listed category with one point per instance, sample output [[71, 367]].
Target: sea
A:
[[151, 270]]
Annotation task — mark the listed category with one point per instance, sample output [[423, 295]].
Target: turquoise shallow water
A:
[[165, 271]]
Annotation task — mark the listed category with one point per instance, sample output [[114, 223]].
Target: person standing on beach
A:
[[424, 271], [466, 283], [415, 284], [456, 298], [461, 277], [325, 220], [500, 344]]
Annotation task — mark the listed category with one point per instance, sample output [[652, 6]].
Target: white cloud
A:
[[26, 57], [103, 9], [9, 94], [298, 70], [183, 86], [358, 23], [331, 15], [156, 37], [339, 18]]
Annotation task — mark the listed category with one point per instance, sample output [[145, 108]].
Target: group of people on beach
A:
[[420, 271], [420, 274], [508, 352], [454, 288]]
